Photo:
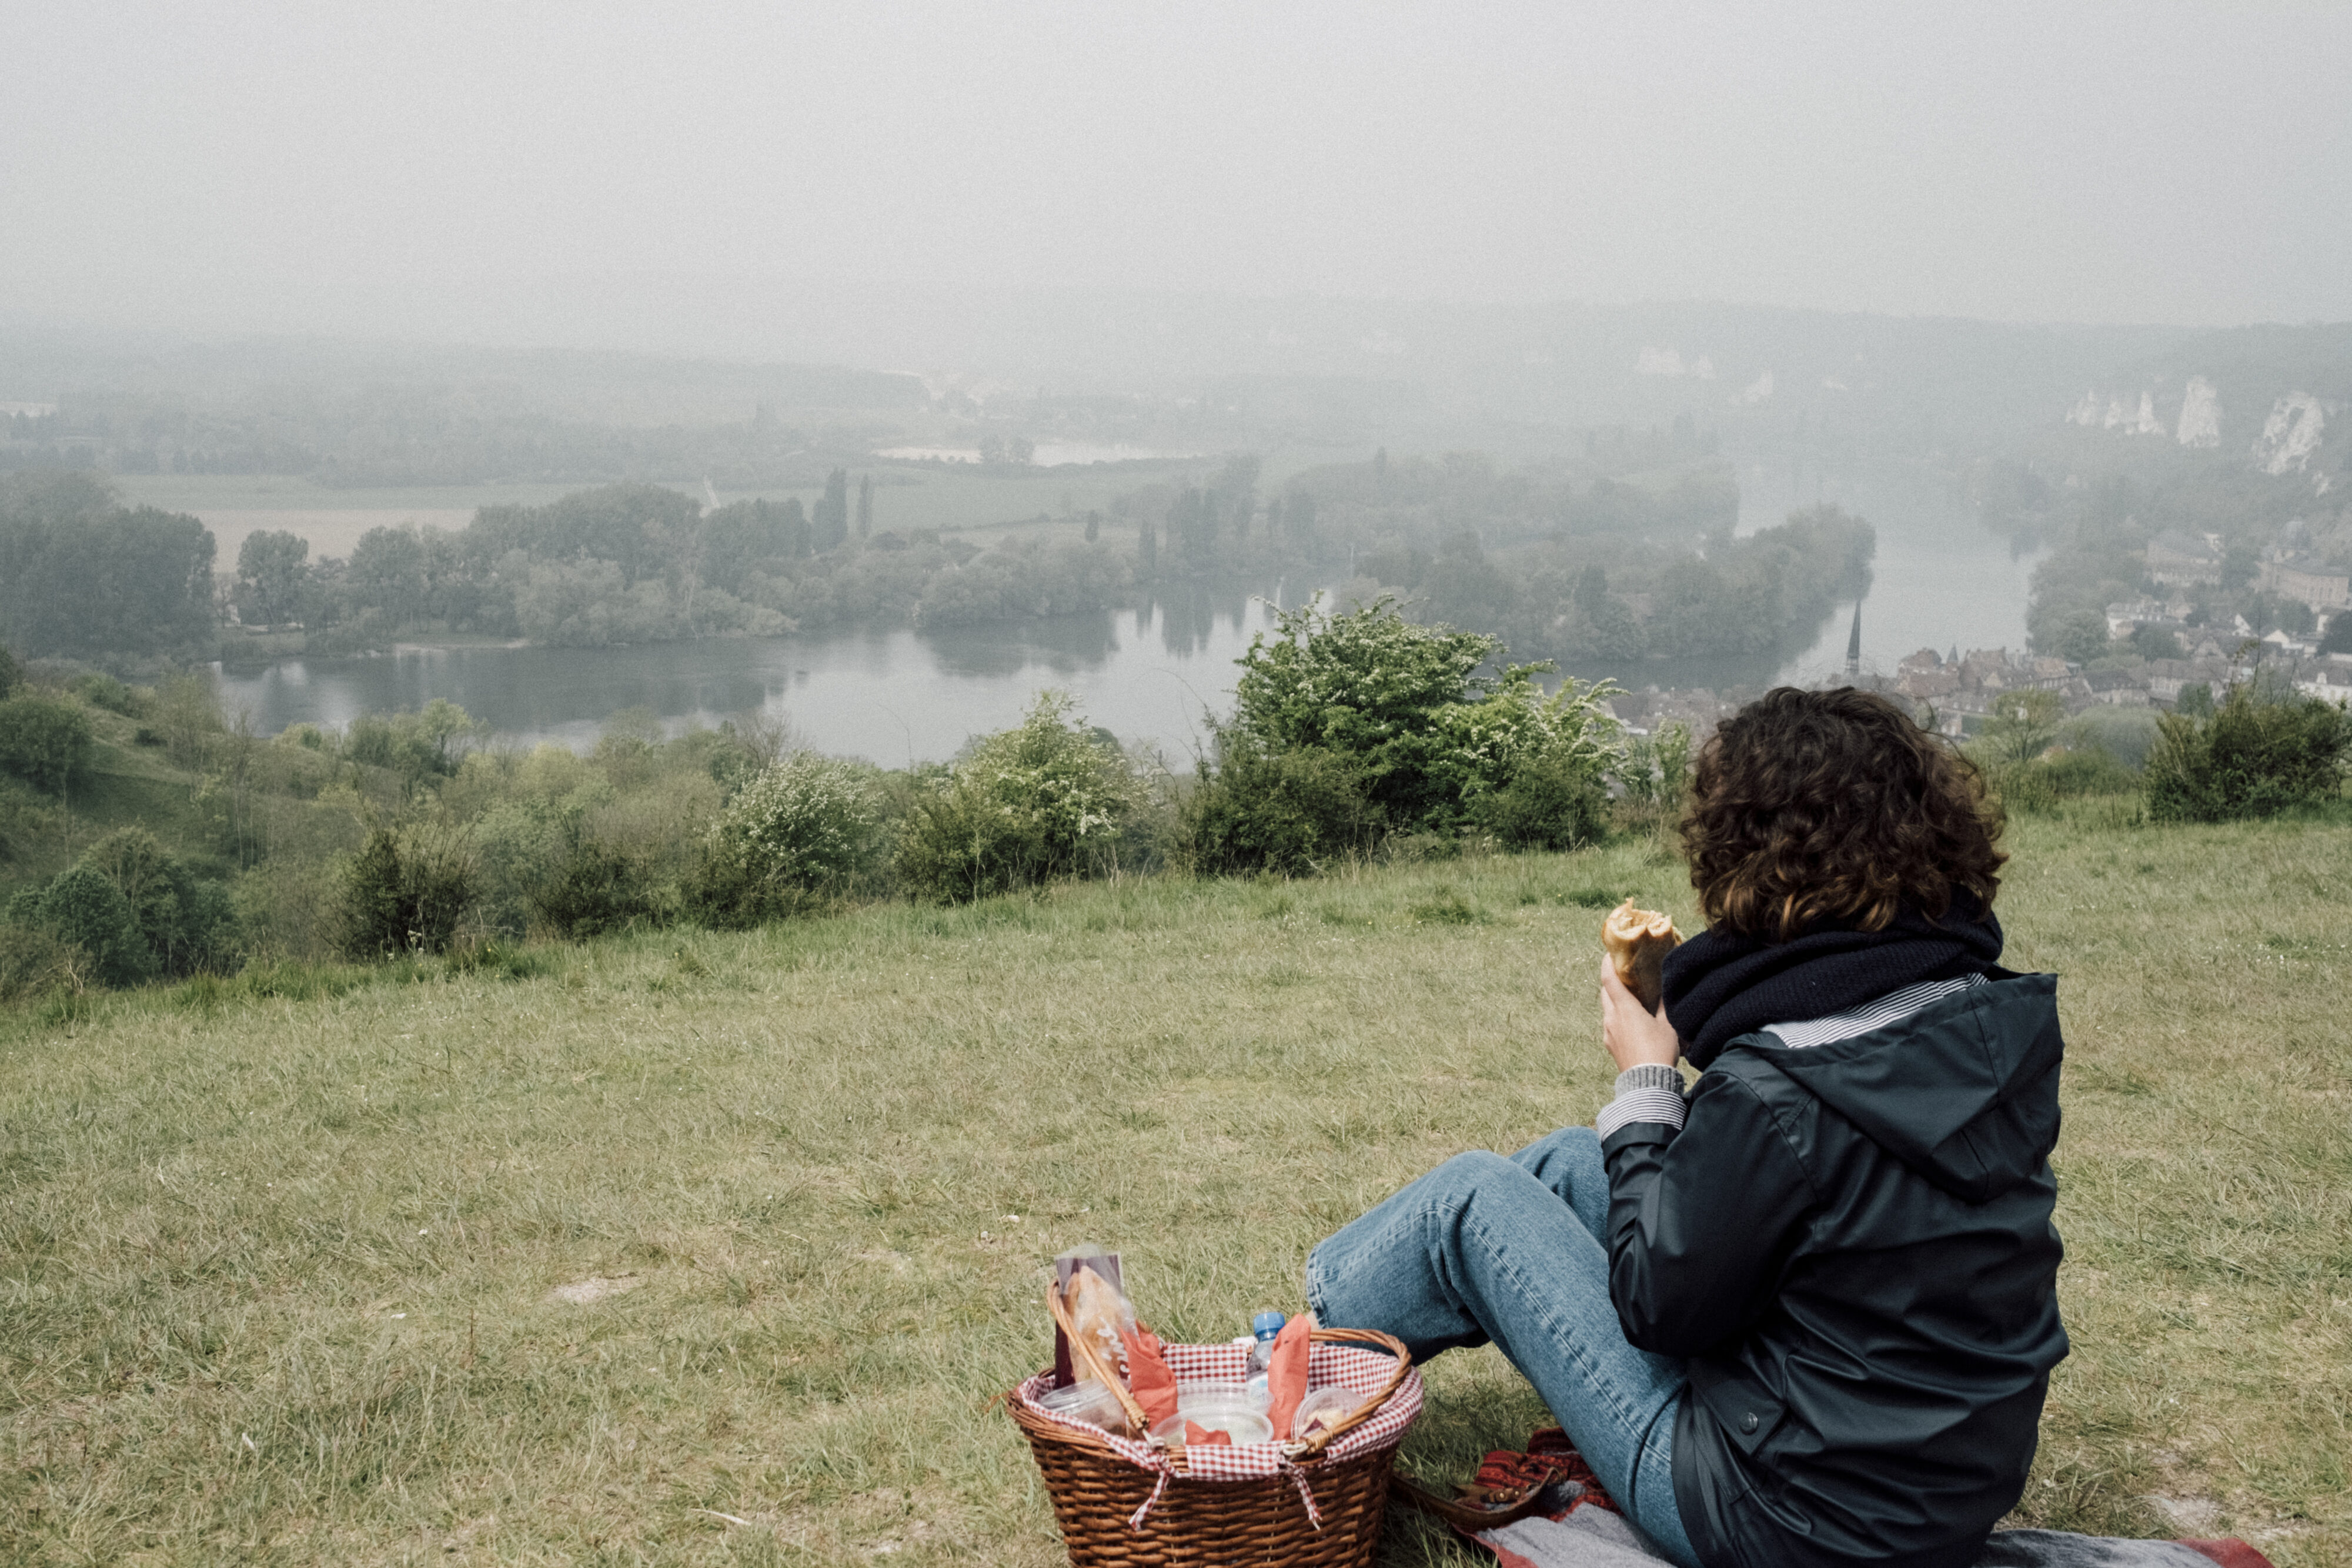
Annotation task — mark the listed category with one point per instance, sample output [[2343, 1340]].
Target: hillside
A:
[[277, 1268]]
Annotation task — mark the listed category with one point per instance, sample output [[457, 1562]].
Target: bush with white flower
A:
[[801, 830], [1049, 798]]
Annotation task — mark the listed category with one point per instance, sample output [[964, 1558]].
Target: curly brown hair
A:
[[1812, 807]]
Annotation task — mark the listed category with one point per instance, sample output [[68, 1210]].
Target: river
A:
[[1147, 674]]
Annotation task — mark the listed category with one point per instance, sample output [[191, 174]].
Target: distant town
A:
[[1960, 689]]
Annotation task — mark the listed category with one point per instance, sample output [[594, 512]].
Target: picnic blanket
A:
[[1582, 1528]]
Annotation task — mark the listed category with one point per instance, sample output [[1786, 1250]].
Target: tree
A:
[[416, 746], [2337, 639], [82, 576], [2155, 643], [2024, 724], [12, 675], [865, 504], [45, 741], [387, 572], [1093, 532], [271, 565], [2079, 636], [1298, 516], [1147, 551], [83, 907], [830, 523]]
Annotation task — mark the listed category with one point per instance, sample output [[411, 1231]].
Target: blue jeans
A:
[[1512, 1250]]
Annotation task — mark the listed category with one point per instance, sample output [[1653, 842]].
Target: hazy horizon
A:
[[592, 176]]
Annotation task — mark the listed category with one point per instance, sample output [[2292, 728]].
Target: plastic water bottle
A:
[[1265, 1327]]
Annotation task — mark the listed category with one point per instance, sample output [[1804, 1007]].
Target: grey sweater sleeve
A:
[[1649, 1092]]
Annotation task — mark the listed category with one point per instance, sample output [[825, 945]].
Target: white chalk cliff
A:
[[2201, 415], [2291, 434]]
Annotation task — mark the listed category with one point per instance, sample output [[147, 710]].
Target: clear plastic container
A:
[[1088, 1401], [1325, 1407], [1220, 1391], [1237, 1421]]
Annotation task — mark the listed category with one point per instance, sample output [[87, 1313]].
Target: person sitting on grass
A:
[[1804, 1311]]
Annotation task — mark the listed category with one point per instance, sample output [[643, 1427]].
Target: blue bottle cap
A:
[[1265, 1325]]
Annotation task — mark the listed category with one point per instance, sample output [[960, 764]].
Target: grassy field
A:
[[277, 1272]]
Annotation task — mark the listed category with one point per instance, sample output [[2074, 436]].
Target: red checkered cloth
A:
[[1361, 1372]]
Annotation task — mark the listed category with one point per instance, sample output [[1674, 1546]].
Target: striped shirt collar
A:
[[1892, 1008]]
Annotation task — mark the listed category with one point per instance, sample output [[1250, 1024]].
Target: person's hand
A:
[[1633, 1034]]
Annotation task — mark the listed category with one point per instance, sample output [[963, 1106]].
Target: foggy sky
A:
[[298, 167]]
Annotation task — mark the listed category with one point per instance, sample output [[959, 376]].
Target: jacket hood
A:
[[1964, 1092]]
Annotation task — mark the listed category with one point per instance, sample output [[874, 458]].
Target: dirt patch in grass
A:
[[595, 1287]]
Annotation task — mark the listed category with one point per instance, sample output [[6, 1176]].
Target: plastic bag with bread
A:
[[1637, 942], [1100, 1320]]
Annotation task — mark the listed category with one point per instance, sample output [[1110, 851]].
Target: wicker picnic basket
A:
[[1315, 1504]]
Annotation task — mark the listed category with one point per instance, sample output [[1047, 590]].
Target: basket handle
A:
[[1089, 1359], [1314, 1446]]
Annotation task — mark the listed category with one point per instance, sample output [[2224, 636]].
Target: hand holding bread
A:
[[1637, 942]]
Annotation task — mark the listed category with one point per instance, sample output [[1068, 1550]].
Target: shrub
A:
[[1285, 811], [2124, 733], [83, 908], [1656, 768], [286, 909], [12, 675], [1049, 799], [35, 963], [106, 692], [495, 959], [45, 741], [800, 829], [413, 745], [593, 887], [2255, 756], [1432, 738], [406, 892], [1368, 684], [2069, 775], [185, 920], [1553, 803], [188, 720]]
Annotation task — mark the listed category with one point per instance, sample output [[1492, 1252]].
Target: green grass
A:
[[276, 1258]]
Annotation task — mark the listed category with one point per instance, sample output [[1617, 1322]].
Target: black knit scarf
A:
[[1719, 986]]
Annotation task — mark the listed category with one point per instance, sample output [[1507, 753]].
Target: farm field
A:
[[982, 506], [279, 1272]]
